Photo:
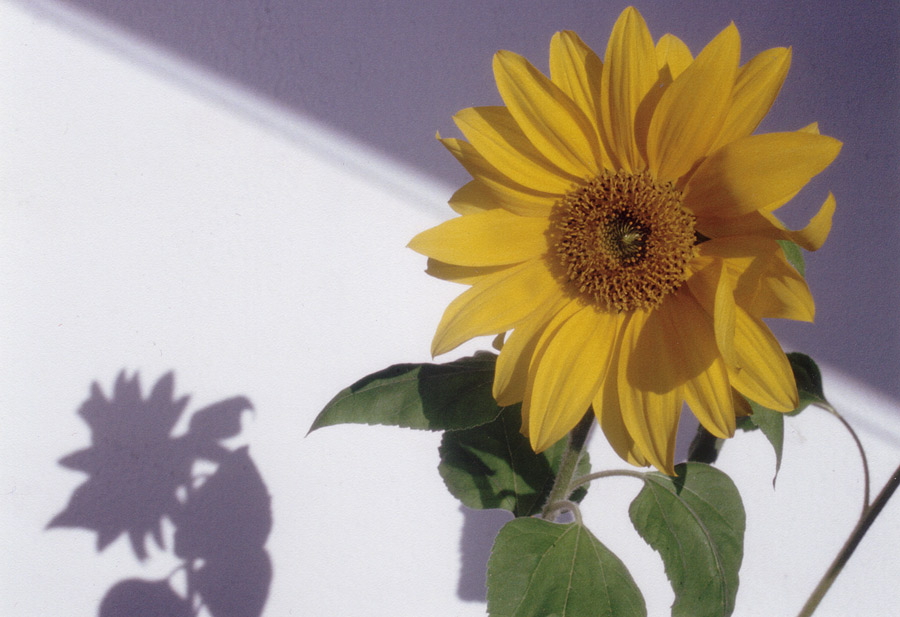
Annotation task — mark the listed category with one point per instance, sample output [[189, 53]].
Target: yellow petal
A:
[[572, 361], [677, 349], [509, 194], [652, 420], [576, 69], [491, 238], [714, 291], [758, 278], [693, 347], [782, 292], [672, 56], [497, 303], [813, 236], [649, 410], [472, 197], [493, 132], [745, 260], [467, 275], [709, 397], [766, 224], [649, 344], [741, 406], [759, 172], [629, 73], [756, 365], [517, 202], [755, 88], [550, 119], [689, 116], [511, 374], [763, 373], [610, 419], [609, 414]]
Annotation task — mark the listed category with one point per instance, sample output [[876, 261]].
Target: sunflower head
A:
[[620, 227], [623, 241]]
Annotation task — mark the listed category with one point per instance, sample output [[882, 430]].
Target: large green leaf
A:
[[435, 397], [696, 523], [543, 569], [494, 466]]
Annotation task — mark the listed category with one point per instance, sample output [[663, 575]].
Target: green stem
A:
[[865, 521], [571, 455]]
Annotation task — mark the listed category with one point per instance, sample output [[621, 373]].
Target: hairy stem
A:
[[562, 484]]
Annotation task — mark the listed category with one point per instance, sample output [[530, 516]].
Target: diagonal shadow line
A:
[[420, 191]]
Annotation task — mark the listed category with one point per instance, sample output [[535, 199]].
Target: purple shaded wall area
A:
[[391, 73]]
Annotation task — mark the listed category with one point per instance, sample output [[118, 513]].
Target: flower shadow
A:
[[140, 474]]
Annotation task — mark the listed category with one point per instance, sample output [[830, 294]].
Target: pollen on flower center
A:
[[623, 240]]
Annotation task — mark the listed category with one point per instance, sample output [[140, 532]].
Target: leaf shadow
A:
[[140, 474], [140, 598]]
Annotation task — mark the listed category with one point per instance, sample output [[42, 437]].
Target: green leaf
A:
[[494, 466], [543, 569], [434, 397], [809, 381], [771, 423], [696, 523], [794, 255]]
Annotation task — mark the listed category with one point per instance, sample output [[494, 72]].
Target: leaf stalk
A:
[[609, 473], [862, 452]]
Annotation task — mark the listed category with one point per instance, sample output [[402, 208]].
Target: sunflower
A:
[[619, 229]]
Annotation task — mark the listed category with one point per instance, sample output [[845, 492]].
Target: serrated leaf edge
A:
[[703, 527], [403, 380]]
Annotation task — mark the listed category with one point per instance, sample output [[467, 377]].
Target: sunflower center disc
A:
[[623, 240]]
